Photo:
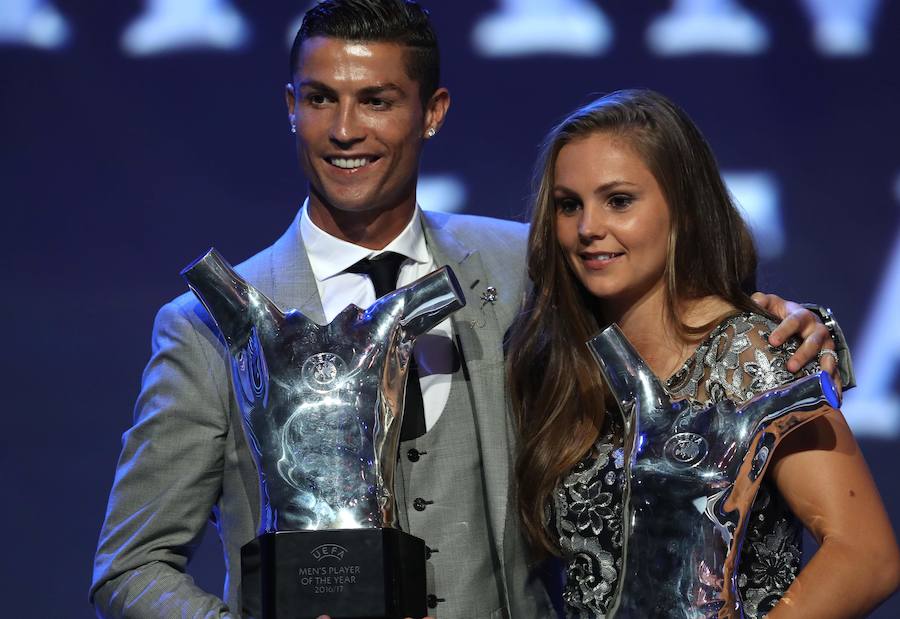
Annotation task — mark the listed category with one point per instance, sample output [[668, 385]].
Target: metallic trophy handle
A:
[[691, 477], [229, 299]]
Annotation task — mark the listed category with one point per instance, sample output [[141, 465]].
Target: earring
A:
[[293, 128], [430, 133]]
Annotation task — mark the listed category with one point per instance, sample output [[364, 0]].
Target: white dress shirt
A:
[[330, 257]]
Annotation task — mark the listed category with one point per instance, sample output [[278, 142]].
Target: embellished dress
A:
[[734, 362]]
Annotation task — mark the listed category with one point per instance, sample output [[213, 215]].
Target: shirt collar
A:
[[330, 256]]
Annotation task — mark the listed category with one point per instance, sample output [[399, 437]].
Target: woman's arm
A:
[[820, 471]]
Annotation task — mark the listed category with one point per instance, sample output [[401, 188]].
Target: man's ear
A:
[[436, 111], [290, 100]]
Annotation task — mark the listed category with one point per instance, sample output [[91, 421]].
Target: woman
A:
[[633, 225]]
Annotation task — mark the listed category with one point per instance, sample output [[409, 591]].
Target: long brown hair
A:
[[555, 387]]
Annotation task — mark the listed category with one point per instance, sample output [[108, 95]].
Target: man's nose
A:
[[346, 129]]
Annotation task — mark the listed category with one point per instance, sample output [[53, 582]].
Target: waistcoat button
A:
[[420, 504], [433, 600], [414, 454], [429, 552]]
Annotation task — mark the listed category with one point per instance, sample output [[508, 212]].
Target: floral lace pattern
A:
[[587, 516], [734, 362]]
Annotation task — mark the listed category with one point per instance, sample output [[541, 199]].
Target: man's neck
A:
[[373, 229]]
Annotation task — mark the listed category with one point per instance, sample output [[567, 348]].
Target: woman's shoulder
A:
[[736, 361]]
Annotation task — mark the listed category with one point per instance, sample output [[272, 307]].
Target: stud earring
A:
[[293, 128], [430, 133]]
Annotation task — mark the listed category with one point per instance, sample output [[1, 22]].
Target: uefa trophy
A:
[[322, 407], [691, 477]]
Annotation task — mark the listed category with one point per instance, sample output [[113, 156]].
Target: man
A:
[[364, 98]]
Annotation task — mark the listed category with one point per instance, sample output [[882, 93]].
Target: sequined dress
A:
[[734, 362]]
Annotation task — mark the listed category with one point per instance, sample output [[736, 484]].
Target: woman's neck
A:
[[650, 326]]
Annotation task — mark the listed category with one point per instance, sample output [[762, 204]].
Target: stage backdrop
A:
[[137, 134]]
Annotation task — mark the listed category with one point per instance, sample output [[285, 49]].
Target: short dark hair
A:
[[403, 22]]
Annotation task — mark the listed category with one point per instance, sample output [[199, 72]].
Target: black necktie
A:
[[383, 270]]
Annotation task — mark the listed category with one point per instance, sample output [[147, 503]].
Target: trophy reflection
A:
[[691, 477], [322, 408]]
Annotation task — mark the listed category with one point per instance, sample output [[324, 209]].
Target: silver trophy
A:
[[322, 407], [691, 477]]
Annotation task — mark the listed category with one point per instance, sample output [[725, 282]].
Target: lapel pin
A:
[[489, 295]]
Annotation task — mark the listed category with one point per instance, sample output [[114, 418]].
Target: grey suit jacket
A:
[[186, 457]]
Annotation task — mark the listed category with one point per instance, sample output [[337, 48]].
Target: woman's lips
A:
[[600, 260]]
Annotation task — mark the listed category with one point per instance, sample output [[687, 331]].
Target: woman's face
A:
[[612, 221]]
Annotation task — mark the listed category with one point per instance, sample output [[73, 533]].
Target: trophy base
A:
[[343, 573]]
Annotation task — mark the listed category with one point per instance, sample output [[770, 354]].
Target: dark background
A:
[[117, 170]]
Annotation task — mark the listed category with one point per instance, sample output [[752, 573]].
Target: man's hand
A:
[[797, 320]]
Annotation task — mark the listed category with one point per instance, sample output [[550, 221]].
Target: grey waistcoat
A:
[[440, 499]]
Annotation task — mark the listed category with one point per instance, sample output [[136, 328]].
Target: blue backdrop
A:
[[137, 134]]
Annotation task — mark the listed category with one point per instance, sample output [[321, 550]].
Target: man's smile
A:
[[351, 164]]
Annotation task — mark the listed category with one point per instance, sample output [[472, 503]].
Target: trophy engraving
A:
[[322, 409], [691, 477], [322, 371]]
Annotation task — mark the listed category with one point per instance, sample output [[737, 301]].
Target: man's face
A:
[[360, 124]]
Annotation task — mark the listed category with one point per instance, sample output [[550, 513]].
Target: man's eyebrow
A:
[[380, 89], [368, 91], [315, 85]]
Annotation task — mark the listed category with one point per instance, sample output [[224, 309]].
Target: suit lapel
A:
[[293, 284], [481, 340]]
